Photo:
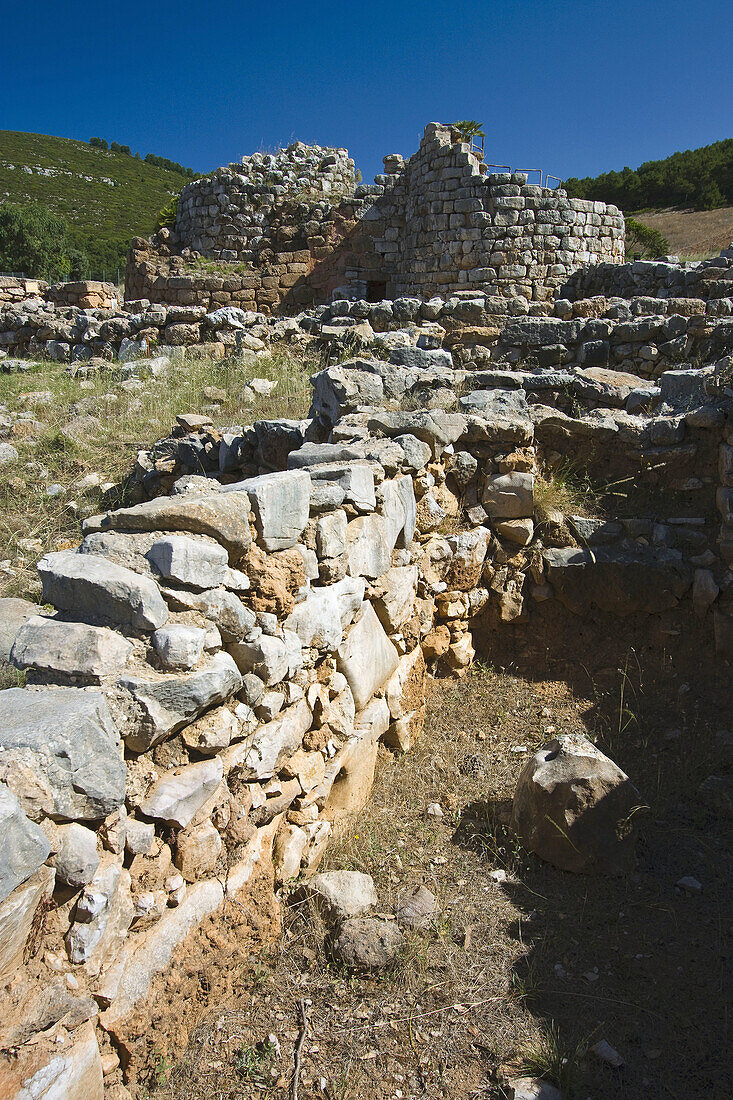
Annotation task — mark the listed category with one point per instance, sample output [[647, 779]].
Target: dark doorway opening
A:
[[376, 290]]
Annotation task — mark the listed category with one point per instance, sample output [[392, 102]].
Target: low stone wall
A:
[[16, 290], [88, 294], [655, 278]]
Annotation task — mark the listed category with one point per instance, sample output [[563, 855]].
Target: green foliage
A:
[[33, 241], [469, 129], [167, 216], [254, 1063], [105, 198], [648, 242], [700, 178], [169, 165]]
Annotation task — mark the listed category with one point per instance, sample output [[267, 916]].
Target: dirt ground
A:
[[692, 234], [521, 975]]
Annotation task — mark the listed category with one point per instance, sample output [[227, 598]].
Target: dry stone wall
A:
[[435, 223]]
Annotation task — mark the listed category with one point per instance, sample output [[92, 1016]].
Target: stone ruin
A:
[[226, 654], [297, 227]]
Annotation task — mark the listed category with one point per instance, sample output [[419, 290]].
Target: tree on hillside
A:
[[98, 143], [35, 241]]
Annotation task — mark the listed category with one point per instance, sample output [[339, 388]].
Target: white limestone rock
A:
[[186, 560], [89, 585], [24, 846], [73, 649], [181, 792], [366, 657], [179, 646]]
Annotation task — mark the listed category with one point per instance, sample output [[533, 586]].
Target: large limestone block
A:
[[618, 580], [576, 809], [180, 793], [191, 561], [366, 657], [281, 506], [43, 1071], [171, 702], [179, 646], [394, 596], [76, 861], [24, 846], [399, 509], [290, 845], [317, 620], [16, 919], [339, 390], [270, 745], [509, 496], [13, 613], [349, 593], [74, 649], [221, 516], [331, 534], [89, 585], [355, 478], [66, 738], [368, 549]]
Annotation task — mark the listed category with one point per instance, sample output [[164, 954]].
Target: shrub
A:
[[642, 239], [167, 216], [33, 241]]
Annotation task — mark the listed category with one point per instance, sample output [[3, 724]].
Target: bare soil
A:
[[692, 234], [530, 971]]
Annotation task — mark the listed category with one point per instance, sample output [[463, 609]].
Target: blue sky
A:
[[568, 86]]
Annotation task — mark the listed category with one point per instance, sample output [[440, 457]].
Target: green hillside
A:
[[106, 198], [698, 178]]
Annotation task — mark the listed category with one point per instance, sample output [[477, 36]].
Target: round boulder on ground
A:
[[368, 944], [576, 809]]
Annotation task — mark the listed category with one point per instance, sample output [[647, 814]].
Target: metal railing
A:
[[544, 177]]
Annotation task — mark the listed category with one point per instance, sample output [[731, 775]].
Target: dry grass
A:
[[564, 489], [692, 234], [99, 425]]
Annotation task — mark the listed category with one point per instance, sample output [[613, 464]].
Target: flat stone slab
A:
[[74, 649], [23, 844], [89, 585], [222, 516], [281, 506]]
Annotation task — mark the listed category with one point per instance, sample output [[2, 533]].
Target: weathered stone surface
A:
[[317, 620], [281, 505], [368, 944], [220, 606], [469, 553], [618, 580], [13, 613], [16, 919], [74, 649], [355, 478], [170, 702], [222, 516], [290, 844], [270, 658], [69, 1072], [270, 745], [89, 585], [394, 596], [181, 792], [103, 914], [76, 860], [331, 534], [368, 549], [23, 845], [151, 952], [416, 907], [197, 850], [212, 731], [509, 496], [68, 739], [341, 895], [576, 809], [179, 646], [366, 657], [190, 561]]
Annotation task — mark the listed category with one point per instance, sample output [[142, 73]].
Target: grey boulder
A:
[[73, 649], [89, 585], [24, 846], [67, 739], [576, 809], [367, 944]]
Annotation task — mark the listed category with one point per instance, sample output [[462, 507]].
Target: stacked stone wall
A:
[[433, 224]]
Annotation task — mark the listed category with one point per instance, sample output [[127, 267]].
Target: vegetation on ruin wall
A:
[[698, 178], [102, 216]]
